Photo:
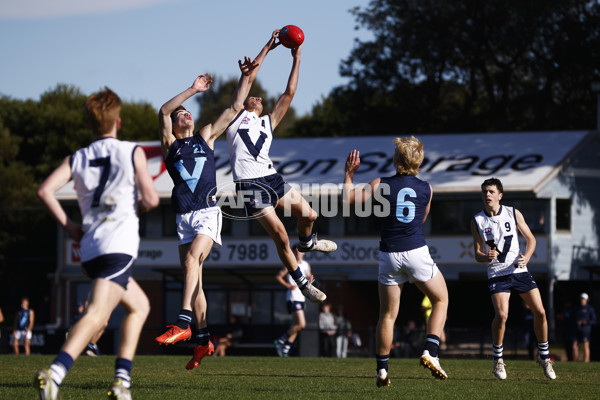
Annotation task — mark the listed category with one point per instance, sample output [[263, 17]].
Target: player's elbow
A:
[[43, 193]]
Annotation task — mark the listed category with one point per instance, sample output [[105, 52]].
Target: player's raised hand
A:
[[352, 162], [296, 52], [248, 65], [272, 41], [202, 83]]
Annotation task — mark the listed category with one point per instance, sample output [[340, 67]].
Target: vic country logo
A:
[[191, 180]]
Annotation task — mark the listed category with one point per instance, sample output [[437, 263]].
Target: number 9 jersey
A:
[[104, 177], [500, 232], [408, 197]]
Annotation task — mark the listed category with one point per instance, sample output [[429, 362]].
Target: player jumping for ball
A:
[[262, 189], [496, 242], [189, 158]]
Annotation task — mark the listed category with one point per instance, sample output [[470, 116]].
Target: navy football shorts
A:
[[521, 283], [259, 193], [112, 267], [293, 306]]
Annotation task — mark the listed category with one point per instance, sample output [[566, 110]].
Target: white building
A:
[[553, 178]]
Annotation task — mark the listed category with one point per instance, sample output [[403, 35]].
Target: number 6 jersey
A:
[[104, 177], [500, 232], [402, 229]]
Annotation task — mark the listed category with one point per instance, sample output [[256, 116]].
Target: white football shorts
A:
[[207, 221], [22, 334], [396, 268]]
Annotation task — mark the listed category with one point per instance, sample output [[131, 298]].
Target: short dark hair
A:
[[492, 182], [174, 113]]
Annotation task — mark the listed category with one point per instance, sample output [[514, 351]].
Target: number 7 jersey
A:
[[104, 177], [500, 232]]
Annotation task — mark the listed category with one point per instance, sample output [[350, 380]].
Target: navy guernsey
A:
[[402, 229], [191, 165]]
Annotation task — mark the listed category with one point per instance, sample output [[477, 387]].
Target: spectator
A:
[[328, 329], [230, 339], [584, 317], [23, 327], [343, 333], [408, 340]]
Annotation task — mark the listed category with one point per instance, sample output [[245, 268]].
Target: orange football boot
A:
[[174, 335], [199, 353]]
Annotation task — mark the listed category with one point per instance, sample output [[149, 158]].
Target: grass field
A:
[[164, 377]]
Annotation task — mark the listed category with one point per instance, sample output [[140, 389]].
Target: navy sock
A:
[[432, 344], [184, 319], [299, 278], [60, 366], [544, 350], [123, 371], [306, 241], [284, 338], [498, 349], [382, 362], [203, 336]]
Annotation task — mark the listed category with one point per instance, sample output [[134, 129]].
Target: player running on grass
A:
[[107, 176], [189, 158], [496, 242], [262, 189], [403, 253]]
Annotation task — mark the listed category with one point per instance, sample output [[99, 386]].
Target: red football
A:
[[291, 36]]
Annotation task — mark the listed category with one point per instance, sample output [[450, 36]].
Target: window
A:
[[563, 214], [534, 212], [453, 216]]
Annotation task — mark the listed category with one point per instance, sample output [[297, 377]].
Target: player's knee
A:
[[281, 239], [143, 306], [309, 216], [502, 316], [540, 314]]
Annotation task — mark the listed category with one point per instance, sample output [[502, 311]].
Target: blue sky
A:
[[150, 50]]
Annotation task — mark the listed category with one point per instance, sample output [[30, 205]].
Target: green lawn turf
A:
[[165, 377]]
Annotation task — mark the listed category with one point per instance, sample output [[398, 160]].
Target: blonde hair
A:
[[409, 155], [102, 110]]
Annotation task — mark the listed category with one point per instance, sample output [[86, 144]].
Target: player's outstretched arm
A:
[[165, 126], [46, 193], [271, 44], [149, 196], [350, 194], [284, 101], [212, 131]]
